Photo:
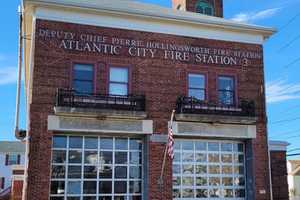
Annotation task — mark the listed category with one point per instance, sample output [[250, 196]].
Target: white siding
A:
[[5, 171]]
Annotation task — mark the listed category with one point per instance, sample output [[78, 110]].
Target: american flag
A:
[[170, 143]]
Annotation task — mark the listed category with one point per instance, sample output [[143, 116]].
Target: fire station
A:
[[102, 79]]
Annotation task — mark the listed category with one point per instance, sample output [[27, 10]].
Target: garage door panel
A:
[[208, 169]]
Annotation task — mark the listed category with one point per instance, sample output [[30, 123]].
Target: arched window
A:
[[204, 7]]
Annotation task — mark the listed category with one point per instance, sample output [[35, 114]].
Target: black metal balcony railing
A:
[[71, 98], [194, 106]]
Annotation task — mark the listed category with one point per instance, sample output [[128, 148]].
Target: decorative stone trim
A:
[[214, 130], [17, 172], [216, 119], [160, 138], [100, 113], [80, 124], [278, 145]]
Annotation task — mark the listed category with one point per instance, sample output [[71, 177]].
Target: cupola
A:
[[206, 7]]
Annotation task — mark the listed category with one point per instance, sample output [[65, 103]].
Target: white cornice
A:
[[138, 9], [278, 145]]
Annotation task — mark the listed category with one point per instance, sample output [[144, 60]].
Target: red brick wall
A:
[[279, 175], [162, 81], [190, 5]]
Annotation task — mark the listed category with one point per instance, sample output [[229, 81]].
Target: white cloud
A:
[[248, 17], [280, 90], [8, 75]]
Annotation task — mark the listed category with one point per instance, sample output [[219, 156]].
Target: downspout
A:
[[268, 146], [20, 60], [270, 169], [263, 92], [263, 87], [28, 99], [21, 134]]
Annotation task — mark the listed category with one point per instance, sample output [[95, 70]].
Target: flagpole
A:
[[160, 181]]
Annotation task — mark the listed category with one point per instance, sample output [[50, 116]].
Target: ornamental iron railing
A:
[[191, 105], [71, 98]]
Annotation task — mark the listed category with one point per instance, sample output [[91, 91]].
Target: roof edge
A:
[[154, 11], [278, 145]]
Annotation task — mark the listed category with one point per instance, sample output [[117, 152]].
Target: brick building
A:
[[279, 170], [102, 79], [11, 154]]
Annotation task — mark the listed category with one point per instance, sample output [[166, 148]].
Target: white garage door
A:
[[208, 169]]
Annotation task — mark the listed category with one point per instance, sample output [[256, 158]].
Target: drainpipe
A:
[[21, 134], [18, 132], [270, 171], [263, 89]]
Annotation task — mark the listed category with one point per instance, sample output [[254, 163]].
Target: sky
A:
[[281, 57]]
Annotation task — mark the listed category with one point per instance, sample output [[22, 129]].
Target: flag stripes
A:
[[170, 143]]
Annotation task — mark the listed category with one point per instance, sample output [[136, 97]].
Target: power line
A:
[[291, 137], [283, 111], [286, 133], [295, 136], [291, 63], [289, 22], [288, 44], [285, 67], [296, 154], [296, 149], [285, 120]]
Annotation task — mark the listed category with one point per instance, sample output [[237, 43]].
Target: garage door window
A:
[[96, 168], [208, 169]]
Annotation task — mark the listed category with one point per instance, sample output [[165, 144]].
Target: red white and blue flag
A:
[[171, 139], [169, 149], [170, 143]]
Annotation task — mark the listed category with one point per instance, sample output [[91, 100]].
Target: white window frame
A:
[[198, 88], [207, 175], [113, 165], [9, 160], [110, 82], [2, 183], [74, 79]]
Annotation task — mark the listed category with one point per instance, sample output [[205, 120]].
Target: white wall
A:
[[294, 181], [297, 186], [294, 198], [5, 171]]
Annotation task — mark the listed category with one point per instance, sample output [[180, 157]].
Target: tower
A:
[[206, 7]]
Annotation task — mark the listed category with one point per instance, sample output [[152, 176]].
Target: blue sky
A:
[[282, 61]]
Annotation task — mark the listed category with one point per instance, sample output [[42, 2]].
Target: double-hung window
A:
[[83, 78], [226, 89], [12, 159], [2, 183], [196, 86], [204, 7], [118, 81]]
